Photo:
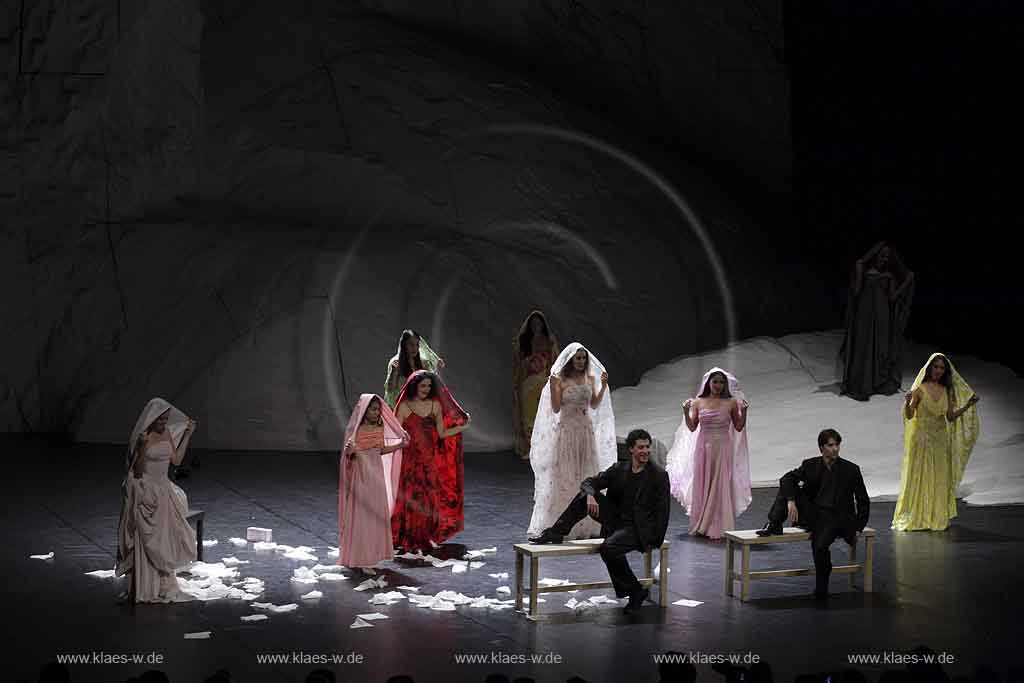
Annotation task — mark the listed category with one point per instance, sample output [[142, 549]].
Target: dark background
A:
[[178, 180], [906, 127]]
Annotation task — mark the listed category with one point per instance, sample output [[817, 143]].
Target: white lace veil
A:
[[545, 426], [679, 462]]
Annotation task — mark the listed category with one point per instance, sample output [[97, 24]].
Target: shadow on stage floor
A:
[[953, 591]]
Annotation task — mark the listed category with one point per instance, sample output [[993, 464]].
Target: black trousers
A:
[[825, 527], [619, 540]]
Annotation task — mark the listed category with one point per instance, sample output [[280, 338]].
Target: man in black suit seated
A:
[[826, 496], [633, 514]]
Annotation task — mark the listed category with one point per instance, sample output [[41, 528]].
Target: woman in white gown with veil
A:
[[154, 537], [573, 438]]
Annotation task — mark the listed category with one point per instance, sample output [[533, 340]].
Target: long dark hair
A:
[[404, 368], [569, 369], [412, 392], [706, 390], [895, 266], [526, 336], [947, 377]]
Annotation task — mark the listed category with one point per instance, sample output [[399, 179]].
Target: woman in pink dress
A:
[[370, 461], [428, 502], [709, 463]]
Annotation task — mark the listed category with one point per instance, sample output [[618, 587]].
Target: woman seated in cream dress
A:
[[154, 537]]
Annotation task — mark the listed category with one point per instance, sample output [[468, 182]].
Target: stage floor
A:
[[953, 591]]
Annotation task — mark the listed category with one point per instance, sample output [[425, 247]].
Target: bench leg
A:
[[199, 538], [869, 559], [519, 580], [728, 566], [853, 560], [534, 577], [745, 574], [663, 579], [648, 572]]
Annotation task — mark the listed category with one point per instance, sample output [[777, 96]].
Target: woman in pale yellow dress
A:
[[534, 349], [940, 427]]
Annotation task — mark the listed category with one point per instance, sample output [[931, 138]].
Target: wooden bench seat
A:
[[590, 546], [748, 537]]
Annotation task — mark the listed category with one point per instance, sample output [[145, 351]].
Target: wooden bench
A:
[[197, 515], [589, 546], [749, 537]]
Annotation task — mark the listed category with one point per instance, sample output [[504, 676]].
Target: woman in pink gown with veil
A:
[[709, 463], [370, 462]]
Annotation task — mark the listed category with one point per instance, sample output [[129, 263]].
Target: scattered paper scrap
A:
[[232, 561], [101, 573], [359, 623], [382, 582], [300, 554], [414, 589], [372, 616], [47, 556], [209, 543], [331, 576], [264, 545], [688, 603], [312, 595], [240, 542], [305, 575], [256, 533], [500, 576], [255, 617], [553, 582], [504, 590], [280, 609], [197, 635]]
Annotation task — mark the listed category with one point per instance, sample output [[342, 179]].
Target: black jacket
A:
[[650, 506], [852, 502]]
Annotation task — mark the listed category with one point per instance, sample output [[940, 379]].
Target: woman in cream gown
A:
[[573, 438], [154, 537], [940, 427]]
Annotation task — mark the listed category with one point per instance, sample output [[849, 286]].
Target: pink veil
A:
[[680, 457], [393, 433]]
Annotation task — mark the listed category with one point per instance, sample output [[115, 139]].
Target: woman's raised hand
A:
[[604, 378]]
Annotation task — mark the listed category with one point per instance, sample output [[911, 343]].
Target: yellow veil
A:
[[963, 432]]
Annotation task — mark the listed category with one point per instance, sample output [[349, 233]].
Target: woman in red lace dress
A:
[[428, 504]]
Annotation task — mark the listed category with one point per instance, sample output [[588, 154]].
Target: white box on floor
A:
[[254, 534]]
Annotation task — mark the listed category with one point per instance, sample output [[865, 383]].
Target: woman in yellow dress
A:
[[534, 349], [938, 435]]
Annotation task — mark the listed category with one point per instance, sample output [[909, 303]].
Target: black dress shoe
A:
[[547, 536], [636, 600], [770, 529]]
